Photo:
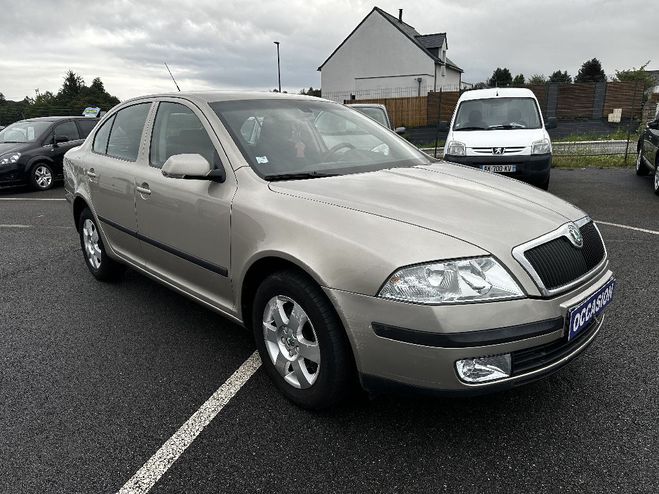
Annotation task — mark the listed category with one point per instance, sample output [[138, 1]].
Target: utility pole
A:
[[278, 68]]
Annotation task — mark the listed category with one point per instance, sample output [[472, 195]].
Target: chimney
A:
[[400, 15]]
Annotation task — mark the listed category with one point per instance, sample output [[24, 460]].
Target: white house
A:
[[386, 57]]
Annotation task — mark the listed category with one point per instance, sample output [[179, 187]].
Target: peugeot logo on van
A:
[[574, 235], [498, 150]]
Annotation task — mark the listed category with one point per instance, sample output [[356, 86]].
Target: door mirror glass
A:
[[191, 167]]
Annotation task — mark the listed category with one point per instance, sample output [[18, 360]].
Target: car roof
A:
[[216, 96], [501, 92], [56, 119]]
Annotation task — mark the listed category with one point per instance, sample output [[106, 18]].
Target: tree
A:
[[2, 98], [639, 75], [72, 86], [519, 80], [559, 76], [591, 71], [311, 92], [537, 79], [501, 78]]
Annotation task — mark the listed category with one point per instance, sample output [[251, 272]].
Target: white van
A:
[[501, 130]]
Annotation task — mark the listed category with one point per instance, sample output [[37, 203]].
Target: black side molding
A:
[[221, 270], [468, 338]]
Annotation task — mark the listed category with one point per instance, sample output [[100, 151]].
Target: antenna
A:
[[170, 74]]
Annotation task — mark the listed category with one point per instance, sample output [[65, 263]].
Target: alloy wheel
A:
[[639, 158], [91, 241], [656, 181], [43, 177], [291, 341]]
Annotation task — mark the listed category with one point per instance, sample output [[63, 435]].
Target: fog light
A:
[[484, 369]]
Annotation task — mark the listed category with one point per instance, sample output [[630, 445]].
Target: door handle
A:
[[143, 189], [90, 173]]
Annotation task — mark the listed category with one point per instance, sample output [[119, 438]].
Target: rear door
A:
[[184, 224], [118, 152]]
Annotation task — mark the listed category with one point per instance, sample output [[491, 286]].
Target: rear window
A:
[[86, 126], [126, 134], [497, 113], [102, 136]]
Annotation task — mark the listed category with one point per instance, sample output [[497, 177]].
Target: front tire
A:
[[641, 169], [302, 343], [99, 264], [41, 176]]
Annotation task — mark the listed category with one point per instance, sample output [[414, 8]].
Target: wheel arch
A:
[[79, 204]]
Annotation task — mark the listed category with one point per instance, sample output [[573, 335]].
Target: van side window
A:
[[177, 130], [101, 137], [126, 133]]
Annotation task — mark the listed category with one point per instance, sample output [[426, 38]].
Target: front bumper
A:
[[12, 174], [532, 330], [531, 168]]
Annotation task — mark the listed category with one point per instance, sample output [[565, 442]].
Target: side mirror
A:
[[400, 130], [654, 124], [59, 139], [192, 167], [551, 123]]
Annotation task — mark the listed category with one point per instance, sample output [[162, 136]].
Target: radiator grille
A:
[[558, 262]]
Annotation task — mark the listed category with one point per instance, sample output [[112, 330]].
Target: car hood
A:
[[8, 147], [498, 138], [492, 212]]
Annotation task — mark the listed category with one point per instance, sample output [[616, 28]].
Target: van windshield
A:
[[497, 113]]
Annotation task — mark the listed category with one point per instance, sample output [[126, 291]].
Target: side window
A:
[[68, 130], [177, 130], [126, 134], [101, 137], [86, 126]]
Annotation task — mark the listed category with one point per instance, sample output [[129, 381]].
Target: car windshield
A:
[[375, 113], [24, 131], [295, 138], [497, 113]]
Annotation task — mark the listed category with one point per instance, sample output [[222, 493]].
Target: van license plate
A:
[[582, 315], [499, 168]]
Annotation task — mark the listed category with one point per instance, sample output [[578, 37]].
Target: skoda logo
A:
[[574, 235], [498, 150]]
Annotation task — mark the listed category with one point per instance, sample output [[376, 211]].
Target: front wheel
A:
[[41, 177], [303, 346], [641, 169], [100, 265]]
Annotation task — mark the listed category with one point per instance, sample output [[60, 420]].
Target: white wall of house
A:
[[376, 56]]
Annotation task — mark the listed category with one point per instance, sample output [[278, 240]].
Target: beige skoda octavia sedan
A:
[[351, 255]]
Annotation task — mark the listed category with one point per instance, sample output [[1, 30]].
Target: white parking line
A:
[[627, 227], [159, 463], [15, 226], [32, 199]]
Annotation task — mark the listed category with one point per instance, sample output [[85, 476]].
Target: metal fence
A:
[[13, 113]]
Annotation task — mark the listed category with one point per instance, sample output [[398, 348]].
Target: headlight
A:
[[7, 159], [463, 280], [455, 148], [543, 146]]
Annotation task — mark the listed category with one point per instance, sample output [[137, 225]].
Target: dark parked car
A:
[[647, 157], [377, 113], [31, 151]]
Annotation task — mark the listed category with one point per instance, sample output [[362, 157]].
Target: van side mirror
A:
[[400, 130], [192, 167], [551, 123]]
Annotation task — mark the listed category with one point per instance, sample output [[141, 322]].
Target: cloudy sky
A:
[[227, 44]]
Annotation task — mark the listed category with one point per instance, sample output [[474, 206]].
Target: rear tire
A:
[[641, 169], [302, 343], [98, 262], [41, 176]]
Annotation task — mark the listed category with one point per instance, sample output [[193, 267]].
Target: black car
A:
[[647, 157], [31, 151]]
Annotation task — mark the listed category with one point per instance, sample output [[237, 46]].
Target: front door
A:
[[184, 224], [67, 133]]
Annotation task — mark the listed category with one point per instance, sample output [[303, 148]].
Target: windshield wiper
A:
[[298, 176], [471, 128], [506, 126]]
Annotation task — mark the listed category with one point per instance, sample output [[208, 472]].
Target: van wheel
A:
[[302, 343], [100, 265], [41, 176]]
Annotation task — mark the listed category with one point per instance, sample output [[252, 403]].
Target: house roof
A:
[[424, 41]]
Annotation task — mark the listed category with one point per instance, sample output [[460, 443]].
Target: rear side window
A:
[[86, 126], [101, 137], [177, 130], [68, 130], [126, 133]]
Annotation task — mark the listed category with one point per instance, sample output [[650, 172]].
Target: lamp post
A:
[[278, 69]]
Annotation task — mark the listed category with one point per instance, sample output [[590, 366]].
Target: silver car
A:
[[352, 256]]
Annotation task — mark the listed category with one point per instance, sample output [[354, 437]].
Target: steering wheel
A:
[[337, 147]]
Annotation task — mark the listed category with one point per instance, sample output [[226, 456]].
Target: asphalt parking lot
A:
[[94, 378]]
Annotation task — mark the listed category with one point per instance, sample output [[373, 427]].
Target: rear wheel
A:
[[99, 264], [301, 341], [41, 176], [641, 169]]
